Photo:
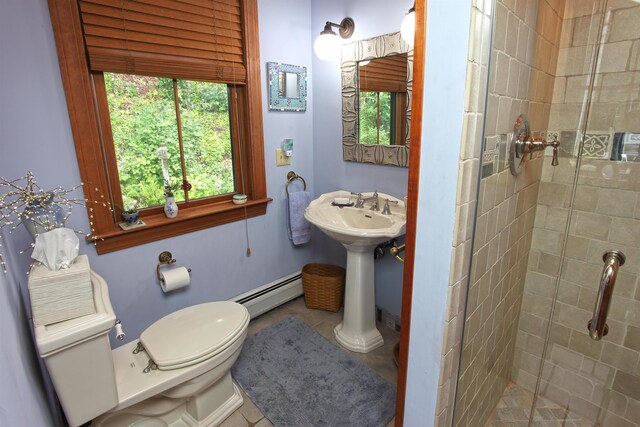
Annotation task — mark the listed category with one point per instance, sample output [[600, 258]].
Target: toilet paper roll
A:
[[175, 278]]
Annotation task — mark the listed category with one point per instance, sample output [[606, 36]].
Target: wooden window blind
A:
[[386, 74], [185, 39]]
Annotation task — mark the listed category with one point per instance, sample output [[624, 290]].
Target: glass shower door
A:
[[589, 206]]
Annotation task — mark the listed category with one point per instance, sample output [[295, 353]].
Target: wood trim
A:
[[254, 169], [159, 227], [92, 162], [412, 210], [80, 103]]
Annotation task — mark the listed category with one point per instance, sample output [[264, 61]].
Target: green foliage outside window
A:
[[375, 125], [143, 116]]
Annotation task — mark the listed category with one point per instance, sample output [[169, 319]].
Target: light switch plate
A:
[[281, 159]]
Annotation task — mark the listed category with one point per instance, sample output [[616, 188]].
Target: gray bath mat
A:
[[297, 378]]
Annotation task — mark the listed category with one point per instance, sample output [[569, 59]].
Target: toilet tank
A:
[[77, 355]]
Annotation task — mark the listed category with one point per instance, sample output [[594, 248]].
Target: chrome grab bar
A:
[[598, 323]]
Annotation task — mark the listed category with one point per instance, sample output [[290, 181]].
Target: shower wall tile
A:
[[585, 30], [579, 373], [627, 384], [632, 338], [615, 87], [596, 146], [614, 57], [634, 61]]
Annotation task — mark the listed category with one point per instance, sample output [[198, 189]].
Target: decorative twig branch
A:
[[22, 201]]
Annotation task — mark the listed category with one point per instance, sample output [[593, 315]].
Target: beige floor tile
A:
[[235, 420], [264, 423], [515, 405], [249, 410]]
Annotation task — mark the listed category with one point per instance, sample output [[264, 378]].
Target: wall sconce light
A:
[[327, 45], [408, 26]]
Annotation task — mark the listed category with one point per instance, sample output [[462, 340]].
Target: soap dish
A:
[[239, 199], [342, 202]]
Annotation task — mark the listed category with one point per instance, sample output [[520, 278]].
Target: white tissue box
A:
[[61, 295]]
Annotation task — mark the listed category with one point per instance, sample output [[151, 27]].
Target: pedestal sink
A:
[[359, 230]]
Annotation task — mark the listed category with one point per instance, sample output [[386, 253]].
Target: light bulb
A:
[[327, 47], [408, 27]]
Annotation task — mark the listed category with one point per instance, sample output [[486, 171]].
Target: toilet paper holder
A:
[[165, 258]]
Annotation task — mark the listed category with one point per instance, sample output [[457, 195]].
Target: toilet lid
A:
[[195, 333]]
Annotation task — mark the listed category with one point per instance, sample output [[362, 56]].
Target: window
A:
[[141, 73], [382, 100], [376, 118], [190, 119]]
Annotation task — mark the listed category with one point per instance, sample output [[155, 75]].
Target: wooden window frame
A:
[[85, 126]]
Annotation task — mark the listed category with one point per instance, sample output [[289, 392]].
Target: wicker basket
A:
[[323, 286]]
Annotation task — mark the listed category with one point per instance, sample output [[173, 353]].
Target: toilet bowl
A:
[[176, 374]]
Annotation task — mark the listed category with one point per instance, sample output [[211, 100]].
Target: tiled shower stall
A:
[[573, 67]]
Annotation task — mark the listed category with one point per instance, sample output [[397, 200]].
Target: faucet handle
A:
[[386, 210], [360, 201]]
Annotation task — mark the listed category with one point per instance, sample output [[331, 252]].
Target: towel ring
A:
[[290, 177]]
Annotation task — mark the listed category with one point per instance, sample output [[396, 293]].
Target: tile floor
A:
[[380, 360], [515, 405]]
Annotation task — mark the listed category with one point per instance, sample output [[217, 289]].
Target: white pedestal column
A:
[[358, 332]]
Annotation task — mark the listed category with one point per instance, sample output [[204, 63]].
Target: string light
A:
[[22, 201]]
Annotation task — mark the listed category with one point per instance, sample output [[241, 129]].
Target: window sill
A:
[[159, 227]]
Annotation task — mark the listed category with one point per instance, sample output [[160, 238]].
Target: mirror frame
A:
[[278, 103], [352, 53]]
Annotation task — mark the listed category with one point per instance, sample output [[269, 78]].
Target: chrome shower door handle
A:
[[598, 323]]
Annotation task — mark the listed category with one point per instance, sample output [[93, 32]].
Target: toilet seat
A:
[[189, 336]]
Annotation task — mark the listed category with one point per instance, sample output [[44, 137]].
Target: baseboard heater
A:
[[271, 295]]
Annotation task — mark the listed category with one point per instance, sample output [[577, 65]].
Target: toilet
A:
[[176, 374]]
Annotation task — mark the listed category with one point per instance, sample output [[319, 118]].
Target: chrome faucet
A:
[[373, 199], [359, 201], [362, 200], [386, 210]]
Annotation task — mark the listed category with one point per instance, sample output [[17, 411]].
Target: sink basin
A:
[[356, 226], [359, 230]]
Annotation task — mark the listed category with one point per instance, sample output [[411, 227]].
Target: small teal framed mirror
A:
[[287, 87]]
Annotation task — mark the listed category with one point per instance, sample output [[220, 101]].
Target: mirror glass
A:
[[377, 75], [287, 87], [383, 100]]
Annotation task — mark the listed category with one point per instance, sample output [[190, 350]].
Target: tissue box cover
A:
[[61, 295]]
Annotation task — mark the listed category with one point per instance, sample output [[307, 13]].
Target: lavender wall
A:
[[447, 42], [372, 18], [36, 136], [22, 397]]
